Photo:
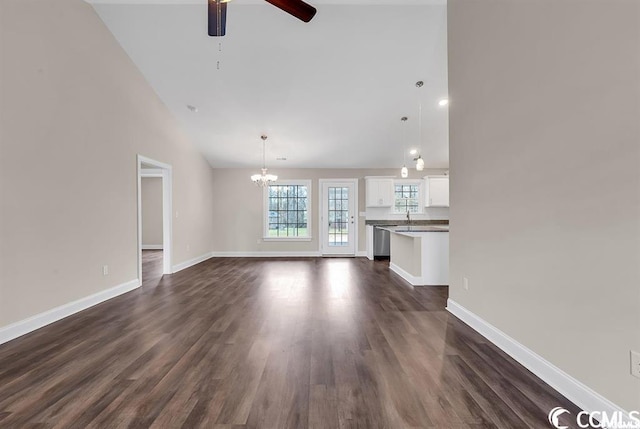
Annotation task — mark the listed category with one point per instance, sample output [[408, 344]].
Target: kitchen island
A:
[[420, 254]]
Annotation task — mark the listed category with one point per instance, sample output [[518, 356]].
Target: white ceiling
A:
[[328, 94]]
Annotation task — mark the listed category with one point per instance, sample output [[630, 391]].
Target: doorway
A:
[[154, 218], [151, 206], [338, 217]]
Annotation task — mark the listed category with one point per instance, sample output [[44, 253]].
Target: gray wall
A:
[[74, 112], [151, 201], [545, 179]]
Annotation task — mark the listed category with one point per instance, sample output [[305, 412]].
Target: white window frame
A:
[[419, 183], [265, 213]]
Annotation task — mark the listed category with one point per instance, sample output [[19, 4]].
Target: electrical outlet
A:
[[465, 283], [188, 247], [105, 270], [635, 364]]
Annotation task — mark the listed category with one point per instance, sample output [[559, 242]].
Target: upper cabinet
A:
[[436, 191], [379, 192]]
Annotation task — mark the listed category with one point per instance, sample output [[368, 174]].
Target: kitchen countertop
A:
[[415, 230], [403, 222]]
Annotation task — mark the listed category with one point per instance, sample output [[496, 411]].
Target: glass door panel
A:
[[338, 218]]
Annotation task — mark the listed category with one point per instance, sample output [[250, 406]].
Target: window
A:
[[407, 198], [288, 205]]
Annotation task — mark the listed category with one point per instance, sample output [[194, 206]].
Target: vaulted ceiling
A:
[[328, 94]]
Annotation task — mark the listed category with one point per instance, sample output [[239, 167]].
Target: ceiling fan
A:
[[218, 13]]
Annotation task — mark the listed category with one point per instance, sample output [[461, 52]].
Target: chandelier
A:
[[263, 179]]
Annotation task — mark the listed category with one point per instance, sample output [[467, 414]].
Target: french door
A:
[[338, 217]]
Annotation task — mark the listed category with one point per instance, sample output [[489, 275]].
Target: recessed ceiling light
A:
[[413, 151], [443, 102], [194, 109]]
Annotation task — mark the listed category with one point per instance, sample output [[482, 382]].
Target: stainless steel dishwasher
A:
[[381, 243]]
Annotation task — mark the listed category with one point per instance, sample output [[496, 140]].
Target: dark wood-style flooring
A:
[[268, 343]]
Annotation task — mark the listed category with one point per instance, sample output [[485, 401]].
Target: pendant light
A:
[[419, 160], [404, 172], [264, 179]]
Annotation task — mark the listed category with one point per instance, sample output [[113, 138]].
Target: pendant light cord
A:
[[404, 144], [420, 127], [419, 85], [264, 151], [404, 137], [219, 26]]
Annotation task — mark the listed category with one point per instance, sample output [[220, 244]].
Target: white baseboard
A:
[[191, 262], [202, 258], [266, 254], [413, 280], [578, 393], [152, 247], [22, 327]]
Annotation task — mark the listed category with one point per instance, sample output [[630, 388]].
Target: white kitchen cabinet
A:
[[436, 191], [379, 192]]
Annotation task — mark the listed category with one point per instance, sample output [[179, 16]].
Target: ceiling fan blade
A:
[[301, 10], [217, 18]]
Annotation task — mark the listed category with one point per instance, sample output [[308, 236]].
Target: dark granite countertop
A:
[[416, 228], [417, 222]]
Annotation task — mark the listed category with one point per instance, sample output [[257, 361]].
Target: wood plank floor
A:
[[268, 343]]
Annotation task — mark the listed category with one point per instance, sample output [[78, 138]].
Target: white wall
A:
[[74, 113], [151, 205], [545, 179]]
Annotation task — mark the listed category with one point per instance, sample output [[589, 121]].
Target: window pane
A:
[[273, 230], [287, 211], [292, 203]]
